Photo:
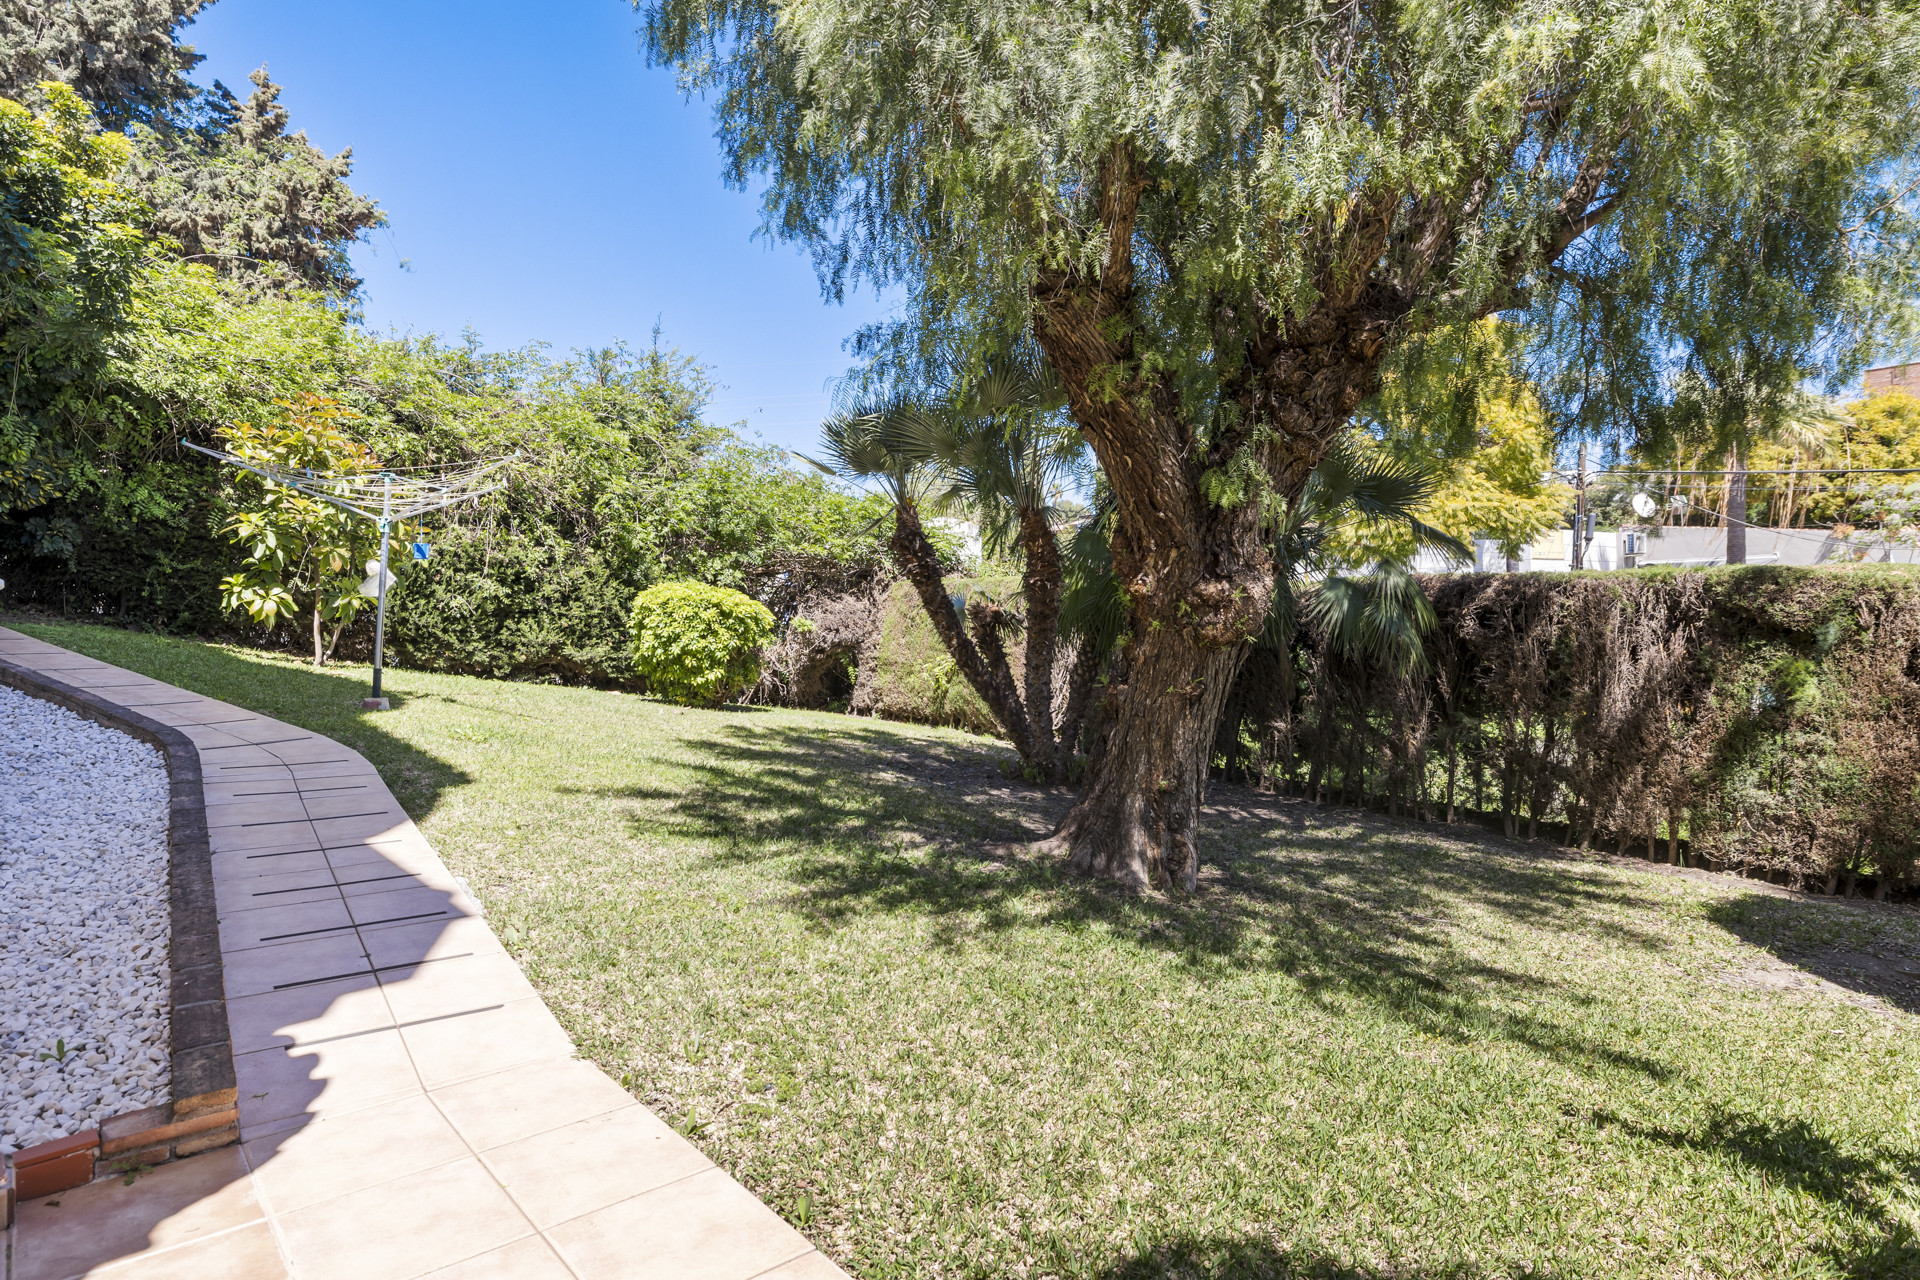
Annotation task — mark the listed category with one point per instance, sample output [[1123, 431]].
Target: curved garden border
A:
[[201, 1113]]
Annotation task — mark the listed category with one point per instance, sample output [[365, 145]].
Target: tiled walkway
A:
[[408, 1106]]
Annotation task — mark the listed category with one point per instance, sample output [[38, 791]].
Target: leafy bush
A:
[[698, 644]]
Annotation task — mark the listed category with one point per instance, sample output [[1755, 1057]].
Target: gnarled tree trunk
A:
[[1195, 565]]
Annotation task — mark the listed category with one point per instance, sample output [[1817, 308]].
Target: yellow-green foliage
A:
[[1465, 420], [912, 676], [1879, 432], [698, 644]]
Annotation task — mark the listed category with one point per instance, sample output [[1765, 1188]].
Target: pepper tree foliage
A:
[[1223, 222]]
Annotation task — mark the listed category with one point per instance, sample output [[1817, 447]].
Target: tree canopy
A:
[[1223, 224]]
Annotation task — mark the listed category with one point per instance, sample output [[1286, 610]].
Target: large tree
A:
[[123, 56], [1220, 222], [258, 203]]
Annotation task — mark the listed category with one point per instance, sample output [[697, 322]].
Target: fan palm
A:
[[997, 444]]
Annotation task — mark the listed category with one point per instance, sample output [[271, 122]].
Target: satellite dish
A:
[[1644, 506]]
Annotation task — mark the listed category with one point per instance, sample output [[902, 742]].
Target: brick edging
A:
[[201, 1113]]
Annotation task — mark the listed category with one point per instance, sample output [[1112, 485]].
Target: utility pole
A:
[[1579, 511]]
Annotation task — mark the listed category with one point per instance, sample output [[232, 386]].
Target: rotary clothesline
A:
[[384, 497]]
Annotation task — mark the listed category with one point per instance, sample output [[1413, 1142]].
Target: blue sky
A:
[[544, 184]]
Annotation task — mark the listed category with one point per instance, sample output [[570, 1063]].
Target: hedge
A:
[[1759, 719]]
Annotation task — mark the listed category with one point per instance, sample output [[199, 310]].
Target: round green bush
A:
[[697, 644]]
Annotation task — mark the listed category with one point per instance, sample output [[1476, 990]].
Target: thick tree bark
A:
[[1190, 546]]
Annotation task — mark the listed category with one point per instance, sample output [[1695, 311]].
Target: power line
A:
[[1656, 473]]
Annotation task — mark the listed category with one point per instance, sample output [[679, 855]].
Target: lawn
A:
[[1363, 1049]]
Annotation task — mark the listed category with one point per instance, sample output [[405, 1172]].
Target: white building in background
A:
[[1688, 546]]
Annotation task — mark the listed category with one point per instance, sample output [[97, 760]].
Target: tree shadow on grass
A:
[[1237, 1258], [872, 821], [1871, 951], [1793, 1154]]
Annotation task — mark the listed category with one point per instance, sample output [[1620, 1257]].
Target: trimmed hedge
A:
[[1761, 719]]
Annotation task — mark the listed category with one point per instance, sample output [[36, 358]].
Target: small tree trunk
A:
[[1673, 838], [1453, 770], [1080, 685], [319, 651], [1041, 583], [1736, 517]]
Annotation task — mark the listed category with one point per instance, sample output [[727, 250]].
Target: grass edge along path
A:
[[1364, 1049]]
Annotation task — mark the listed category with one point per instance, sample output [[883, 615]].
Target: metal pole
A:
[[380, 608]]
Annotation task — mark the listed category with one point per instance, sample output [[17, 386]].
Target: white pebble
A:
[[84, 911]]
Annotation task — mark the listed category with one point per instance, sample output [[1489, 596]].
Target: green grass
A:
[[1365, 1049]]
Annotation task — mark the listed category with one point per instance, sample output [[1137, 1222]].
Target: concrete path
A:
[[408, 1106]]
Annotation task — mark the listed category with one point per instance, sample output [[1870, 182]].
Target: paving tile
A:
[[298, 834], [506, 1106], [343, 765], [278, 926], [369, 878], [275, 889], [336, 1155], [353, 860], [402, 940], [528, 1259], [359, 826], [242, 813], [447, 986], [450, 1049], [326, 1078], [108, 1221], [243, 1253], [347, 804], [280, 1019], [707, 1227], [403, 1228], [808, 1266], [244, 865], [400, 902], [281, 965], [235, 762], [574, 1170]]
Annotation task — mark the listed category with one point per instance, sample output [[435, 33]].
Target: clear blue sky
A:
[[544, 184]]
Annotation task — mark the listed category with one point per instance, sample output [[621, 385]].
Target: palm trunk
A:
[[1041, 583], [1080, 686], [988, 674]]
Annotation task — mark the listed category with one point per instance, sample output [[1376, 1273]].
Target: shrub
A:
[[698, 644]]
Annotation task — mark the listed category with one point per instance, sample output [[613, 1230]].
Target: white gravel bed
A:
[[83, 923]]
